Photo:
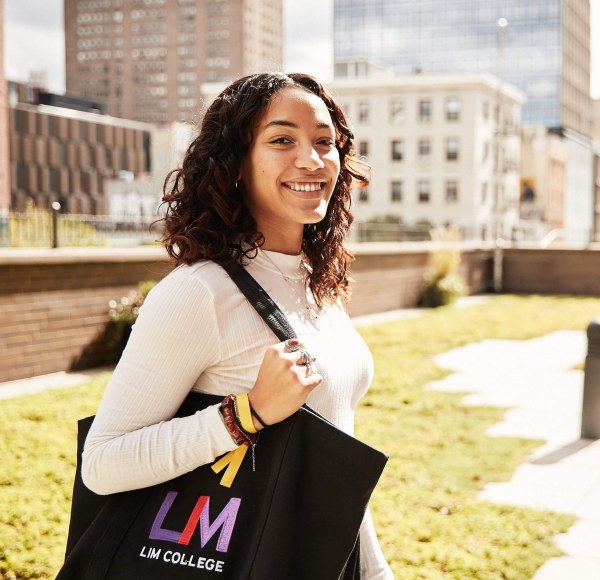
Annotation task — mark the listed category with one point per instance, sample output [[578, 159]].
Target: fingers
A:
[[313, 380], [286, 377], [298, 353]]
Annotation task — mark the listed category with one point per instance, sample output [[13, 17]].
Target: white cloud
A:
[[32, 50], [33, 36], [310, 57], [308, 33]]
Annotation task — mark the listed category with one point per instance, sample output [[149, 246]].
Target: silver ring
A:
[[306, 358], [292, 344]]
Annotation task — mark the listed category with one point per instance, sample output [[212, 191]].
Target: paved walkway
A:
[[536, 382], [33, 385]]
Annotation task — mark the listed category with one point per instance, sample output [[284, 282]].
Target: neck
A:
[[283, 242]]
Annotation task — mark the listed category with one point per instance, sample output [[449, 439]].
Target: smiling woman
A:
[[291, 168], [266, 187]]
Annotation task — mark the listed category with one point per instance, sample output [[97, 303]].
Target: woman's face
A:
[[291, 167]]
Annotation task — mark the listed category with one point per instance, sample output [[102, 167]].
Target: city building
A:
[[440, 152], [146, 59], [4, 131], [140, 196], [67, 155], [543, 162], [596, 138], [542, 47]]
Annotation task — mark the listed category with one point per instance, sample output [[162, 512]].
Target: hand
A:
[[282, 385]]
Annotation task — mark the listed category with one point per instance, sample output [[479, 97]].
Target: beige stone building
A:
[[439, 151], [543, 161], [146, 59]]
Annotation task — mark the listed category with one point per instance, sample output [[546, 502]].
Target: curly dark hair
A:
[[206, 215]]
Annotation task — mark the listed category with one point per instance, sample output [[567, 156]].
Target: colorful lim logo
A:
[[225, 521]]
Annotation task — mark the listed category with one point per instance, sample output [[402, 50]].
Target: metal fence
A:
[[379, 232], [47, 229]]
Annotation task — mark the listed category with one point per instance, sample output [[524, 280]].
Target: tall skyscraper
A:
[[543, 49], [146, 59]]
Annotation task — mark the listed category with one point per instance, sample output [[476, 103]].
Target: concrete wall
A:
[[552, 271], [54, 304], [390, 275]]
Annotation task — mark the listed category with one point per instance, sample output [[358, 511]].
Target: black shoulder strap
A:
[[262, 302]]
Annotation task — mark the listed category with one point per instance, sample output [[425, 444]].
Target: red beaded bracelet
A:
[[241, 437]]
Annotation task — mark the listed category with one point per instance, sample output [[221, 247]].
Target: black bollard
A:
[[590, 412]]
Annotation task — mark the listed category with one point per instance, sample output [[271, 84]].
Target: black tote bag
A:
[[295, 516]]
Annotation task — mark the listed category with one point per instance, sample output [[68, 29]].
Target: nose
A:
[[309, 158]]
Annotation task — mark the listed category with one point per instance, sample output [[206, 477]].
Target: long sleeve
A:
[[196, 331], [133, 442], [373, 565]]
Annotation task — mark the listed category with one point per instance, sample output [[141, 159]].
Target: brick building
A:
[[146, 59], [64, 154]]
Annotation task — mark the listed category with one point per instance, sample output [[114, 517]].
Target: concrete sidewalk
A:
[[536, 382], [41, 383]]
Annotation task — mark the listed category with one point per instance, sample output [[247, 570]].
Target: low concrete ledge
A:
[[54, 303], [79, 255]]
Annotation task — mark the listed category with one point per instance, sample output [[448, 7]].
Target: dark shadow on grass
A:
[[563, 452]]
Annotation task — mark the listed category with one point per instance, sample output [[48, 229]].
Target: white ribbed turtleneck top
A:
[[196, 331]]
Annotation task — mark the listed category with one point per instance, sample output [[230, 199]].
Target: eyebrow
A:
[[283, 123]]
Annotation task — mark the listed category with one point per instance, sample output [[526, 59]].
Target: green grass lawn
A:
[[430, 522]]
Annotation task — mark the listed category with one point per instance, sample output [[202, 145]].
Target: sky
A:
[[34, 41]]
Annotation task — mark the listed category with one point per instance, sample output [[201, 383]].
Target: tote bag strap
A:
[[262, 302]]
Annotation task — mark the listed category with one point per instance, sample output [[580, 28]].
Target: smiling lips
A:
[[305, 186]]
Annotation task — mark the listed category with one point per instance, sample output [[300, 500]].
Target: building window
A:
[[108, 157], [363, 194], [397, 111], [452, 149], [486, 110], [452, 109], [397, 150], [484, 192], [60, 153], [363, 112], [423, 190], [424, 149], [486, 152], [424, 110], [396, 191], [451, 191], [363, 148], [53, 126]]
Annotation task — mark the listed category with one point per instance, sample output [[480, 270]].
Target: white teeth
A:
[[304, 187]]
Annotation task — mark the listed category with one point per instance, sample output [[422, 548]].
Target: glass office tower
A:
[[544, 50]]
